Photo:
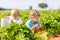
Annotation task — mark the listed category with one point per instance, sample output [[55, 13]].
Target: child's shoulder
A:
[[28, 23], [29, 20], [10, 17], [3, 19]]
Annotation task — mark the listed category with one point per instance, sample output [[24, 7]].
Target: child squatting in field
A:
[[6, 20], [33, 23]]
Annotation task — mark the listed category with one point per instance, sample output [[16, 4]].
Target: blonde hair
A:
[[34, 13], [15, 11]]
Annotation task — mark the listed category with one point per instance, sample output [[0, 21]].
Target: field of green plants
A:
[[50, 19]]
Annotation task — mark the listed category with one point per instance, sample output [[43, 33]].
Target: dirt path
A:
[[55, 38]]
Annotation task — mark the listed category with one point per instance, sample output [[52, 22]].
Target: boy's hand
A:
[[41, 27], [3, 15], [34, 27]]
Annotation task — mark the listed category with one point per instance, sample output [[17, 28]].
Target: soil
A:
[[54, 37]]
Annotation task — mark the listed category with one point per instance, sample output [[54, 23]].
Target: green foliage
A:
[[50, 19], [42, 35], [17, 32]]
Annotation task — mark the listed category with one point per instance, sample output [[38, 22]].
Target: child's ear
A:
[[30, 16]]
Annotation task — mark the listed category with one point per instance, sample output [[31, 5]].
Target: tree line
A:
[[40, 5]]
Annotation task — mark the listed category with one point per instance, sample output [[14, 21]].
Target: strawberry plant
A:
[[17, 32], [50, 19]]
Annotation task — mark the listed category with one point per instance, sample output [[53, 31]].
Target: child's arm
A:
[[4, 22], [41, 27], [4, 15], [20, 21], [36, 28], [5, 18]]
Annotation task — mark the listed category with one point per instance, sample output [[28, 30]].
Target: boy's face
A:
[[13, 15], [35, 19]]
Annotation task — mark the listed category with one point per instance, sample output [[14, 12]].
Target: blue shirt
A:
[[30, 23]]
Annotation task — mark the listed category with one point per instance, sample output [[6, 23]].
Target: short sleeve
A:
[[11, 18], [38, 23], [28, 24]]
